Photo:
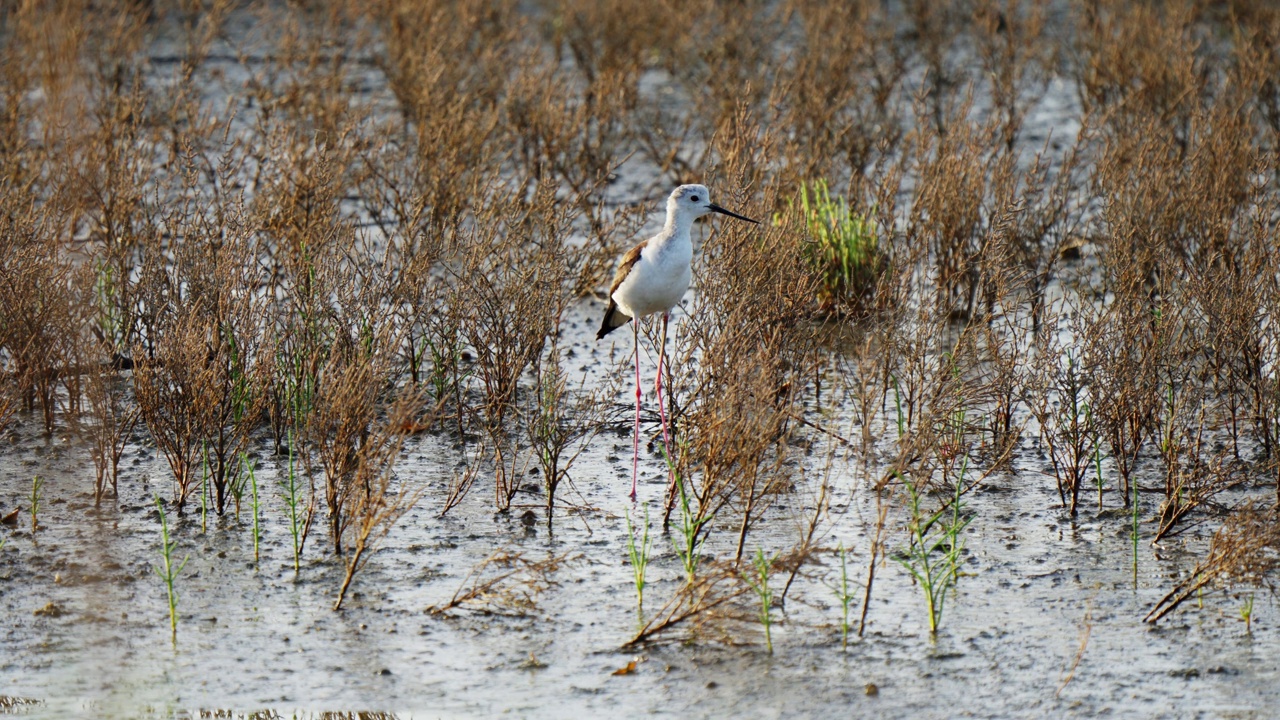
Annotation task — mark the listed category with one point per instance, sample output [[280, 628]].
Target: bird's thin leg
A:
[[635, 446], [662, 413]]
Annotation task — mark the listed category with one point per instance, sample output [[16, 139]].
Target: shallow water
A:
[[255, 637]]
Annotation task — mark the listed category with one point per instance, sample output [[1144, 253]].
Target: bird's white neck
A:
[[677, 227]]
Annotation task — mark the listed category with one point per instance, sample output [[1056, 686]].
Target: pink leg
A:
[[635, 447], [662, 411], [666, 437]]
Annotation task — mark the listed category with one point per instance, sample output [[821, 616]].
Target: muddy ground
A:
[[86, 624]]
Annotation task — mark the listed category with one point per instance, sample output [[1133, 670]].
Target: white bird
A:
[[652, 278]]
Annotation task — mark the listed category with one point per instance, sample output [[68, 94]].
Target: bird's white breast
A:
[[659, 279]]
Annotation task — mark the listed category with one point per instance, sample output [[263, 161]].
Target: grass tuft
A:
[[934, 549], [639, 556], [843, 248], [37, 486], [758, 580], [167, 570]]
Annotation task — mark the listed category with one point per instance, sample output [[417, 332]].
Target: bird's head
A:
[[694, 201]]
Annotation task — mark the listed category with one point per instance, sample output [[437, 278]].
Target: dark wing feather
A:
[[614, 318]]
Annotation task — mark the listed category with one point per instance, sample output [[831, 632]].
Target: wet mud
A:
[[86, 620]]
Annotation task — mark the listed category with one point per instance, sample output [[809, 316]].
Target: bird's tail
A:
[[614, 318]]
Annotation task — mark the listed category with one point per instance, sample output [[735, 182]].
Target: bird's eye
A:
[[694, 198]]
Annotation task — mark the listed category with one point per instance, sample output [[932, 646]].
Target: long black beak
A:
[[722, 211]]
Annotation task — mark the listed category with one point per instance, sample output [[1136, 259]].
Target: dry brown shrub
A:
[[338, 382], [115, 419], [610, 42], [198, 364], [450, 87], [371, 500], [506, 583], [938, 28], [168, 381], [1243, 551], [560, 421], [572, 138], [1037, 216], [515, 280], [947, 214], [41, 309], [1016, 58], [705, 606], [1065, 398], [835, 94], [1139, 63]]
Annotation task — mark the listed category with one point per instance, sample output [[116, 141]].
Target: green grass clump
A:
[[256, 505], [37, 485], [844, 595], [297, 522], [844, 247], [690, 537], [639, 554], [934, 549], [758, 580], [1246, 613], [168, 570]]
